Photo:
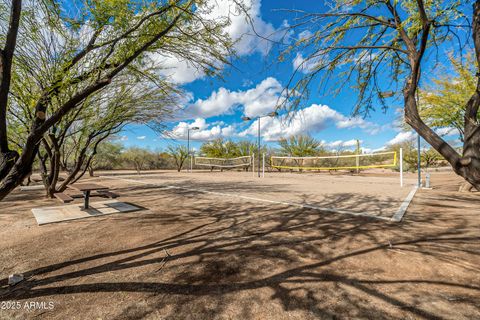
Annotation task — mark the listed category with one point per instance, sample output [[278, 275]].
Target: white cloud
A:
[[248, 39], [340, 144], [240, 30], [305, 35], [256, 101], [305, 65], [205, 131], [309, 120], [141, 137], [402, 137], [447, 131], [123, 138], [247, 83], [176, 69], [411, 135], [370, 150]]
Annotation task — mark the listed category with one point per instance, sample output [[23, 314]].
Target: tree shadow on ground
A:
[[320, 263]]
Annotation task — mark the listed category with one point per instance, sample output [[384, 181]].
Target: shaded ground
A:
[[197, 256]]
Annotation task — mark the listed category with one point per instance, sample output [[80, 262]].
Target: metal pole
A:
[[357, 160], [263, 165], [419, 159], [188, 147], [258, 168], [401, 167], [253, 165]]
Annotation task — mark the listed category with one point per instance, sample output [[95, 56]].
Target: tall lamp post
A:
[[419, 163], [271, 114], [188, 146]]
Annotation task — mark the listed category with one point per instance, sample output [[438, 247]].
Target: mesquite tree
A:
[[179, 155], [382, 47], [75, 142], [94, 46], [300, 146], [442, 104]]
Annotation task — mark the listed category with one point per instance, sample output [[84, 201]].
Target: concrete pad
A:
[[32, 188], [46, 215], [397, 217]]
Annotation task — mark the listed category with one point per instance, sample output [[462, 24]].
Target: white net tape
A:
[[340, 162]]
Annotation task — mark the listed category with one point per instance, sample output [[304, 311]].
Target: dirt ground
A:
[[192, 255], [373, 193]]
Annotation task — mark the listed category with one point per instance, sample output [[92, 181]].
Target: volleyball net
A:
[[226, 163], [337, 162]]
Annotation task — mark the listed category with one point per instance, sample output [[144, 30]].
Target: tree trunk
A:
[[7, 160], [90, 171], [137, 168], [21, 169], [54, 168], [43, 169], [7, 156], [72, 174]]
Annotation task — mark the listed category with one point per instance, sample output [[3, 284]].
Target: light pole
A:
[[188, 145], [419, 161], [271, 114]]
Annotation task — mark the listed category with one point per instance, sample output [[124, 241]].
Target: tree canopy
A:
[[442, 104], [300, 146]]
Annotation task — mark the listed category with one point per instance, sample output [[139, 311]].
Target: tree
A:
[[7, 156], [137, 157], [101, 42], [429, 157], [366, 42], [246, 148], [442, 105], [220, 148], [179, 155], [72, 144], [300, 146], [107, 158]]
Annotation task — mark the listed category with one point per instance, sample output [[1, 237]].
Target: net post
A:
[[263, 165], [401, 167], [253, 164], [191, 163], [357, 160]]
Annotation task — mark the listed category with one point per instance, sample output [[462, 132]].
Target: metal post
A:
[[263, 165], [419, 159], [401, 167], [86, 195], [191, 162], [253, 165], [357, 160], [258, 168], [427, 180], [188, 148]]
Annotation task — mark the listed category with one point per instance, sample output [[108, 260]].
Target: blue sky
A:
[[253, 87]]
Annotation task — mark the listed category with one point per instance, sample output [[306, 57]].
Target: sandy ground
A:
[[192, 255], [377, 194]]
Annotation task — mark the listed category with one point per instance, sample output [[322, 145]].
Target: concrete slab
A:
[[398, 216], [32, 188], [46, 215]]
